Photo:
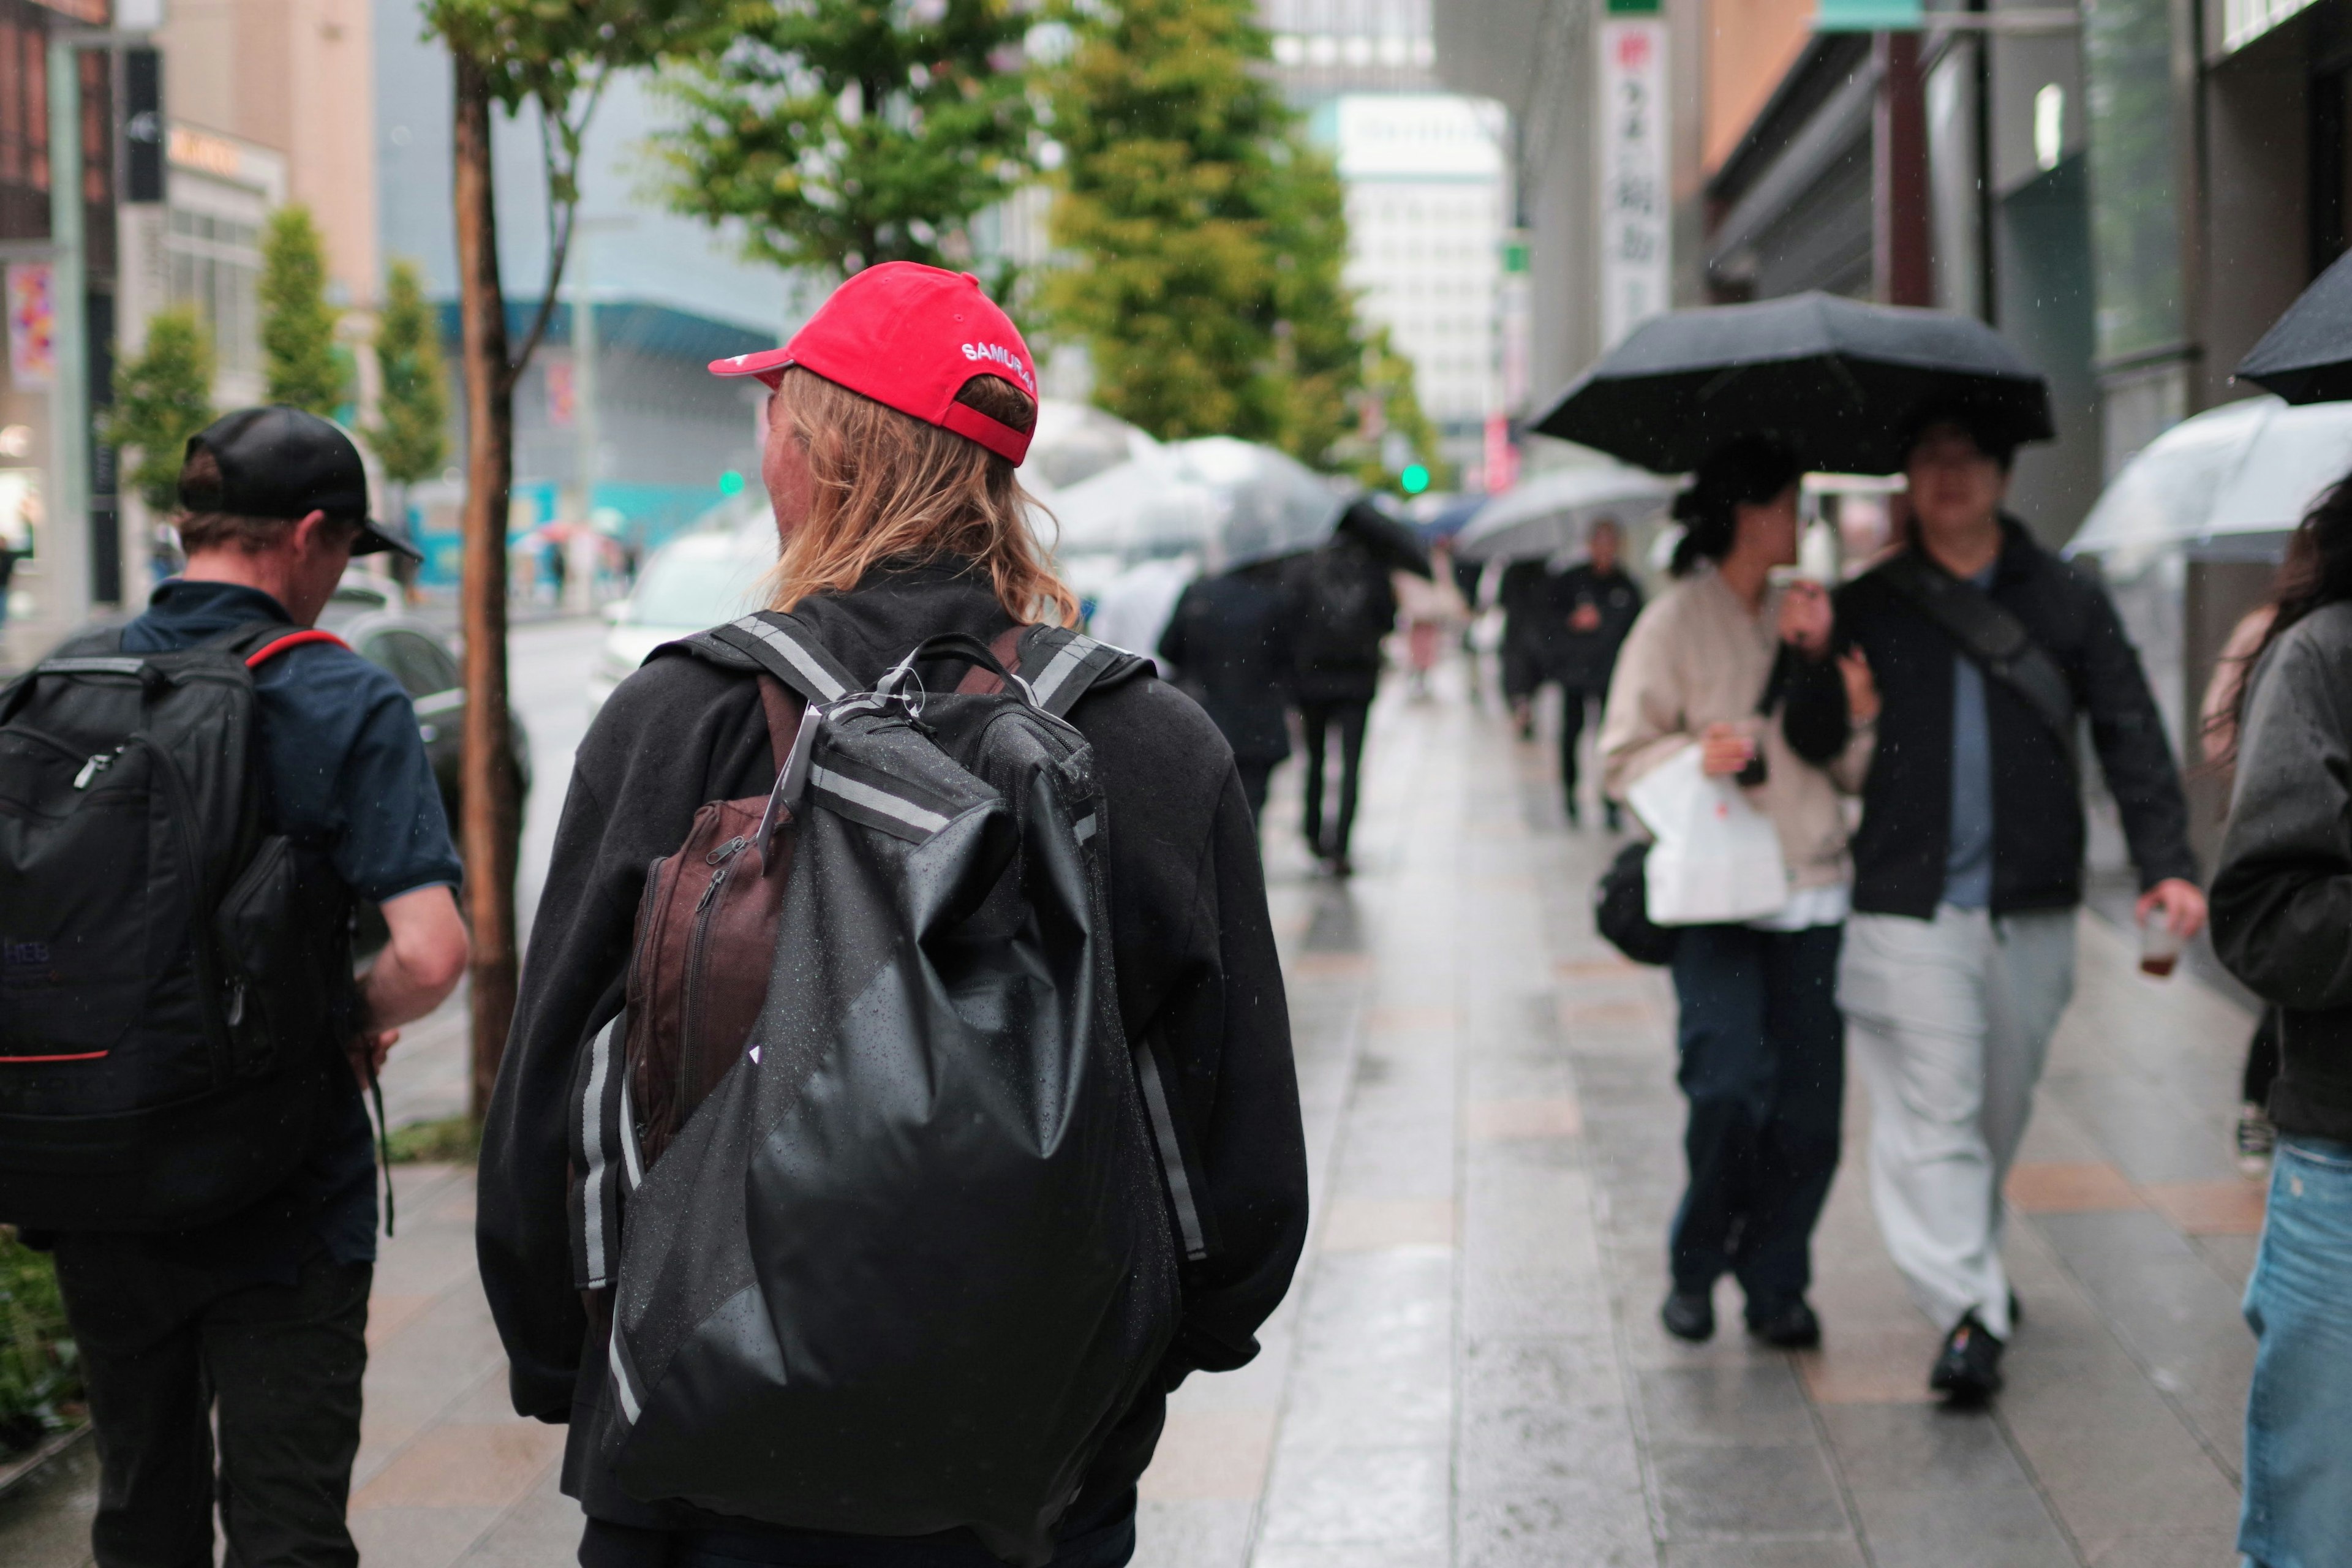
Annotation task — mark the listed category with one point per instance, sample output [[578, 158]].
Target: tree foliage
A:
[[162, 397], [300, 363], [1207, 234], [846, 133], [558, 57], [411, 433]]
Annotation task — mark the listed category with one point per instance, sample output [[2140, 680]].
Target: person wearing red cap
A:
[[897, 417]]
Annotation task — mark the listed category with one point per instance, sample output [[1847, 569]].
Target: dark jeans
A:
[[1108, 1545], [1317, 718], [162, 1347], [1763, 1065]]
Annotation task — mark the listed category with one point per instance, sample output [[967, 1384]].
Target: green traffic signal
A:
[[730, 483], [1415, 480]]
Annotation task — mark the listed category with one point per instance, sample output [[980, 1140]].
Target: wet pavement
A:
[[1470, 1370]]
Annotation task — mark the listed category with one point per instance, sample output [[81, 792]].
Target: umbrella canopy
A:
[[2306, 356], [1148, 507], [1841, 382], [1269, 503], [2251, 467], [1552, 512], [1453, 517], [1395, 543]]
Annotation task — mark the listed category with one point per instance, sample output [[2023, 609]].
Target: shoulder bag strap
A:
[[1997, 641], [784, 648]]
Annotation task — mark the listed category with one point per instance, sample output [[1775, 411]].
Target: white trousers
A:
[[1950, 1021]]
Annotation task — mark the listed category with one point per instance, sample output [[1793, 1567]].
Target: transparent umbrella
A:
[[2246, 467], [1550, 511], [1268, 502]]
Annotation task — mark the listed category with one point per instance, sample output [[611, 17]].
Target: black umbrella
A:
[[2306, 356], [1842, 382], [1394, 541]]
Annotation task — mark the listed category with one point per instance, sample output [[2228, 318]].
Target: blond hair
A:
[[889, 487]]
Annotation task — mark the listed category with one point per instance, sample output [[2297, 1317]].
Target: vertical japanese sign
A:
[[1635, 254], [32, 309]]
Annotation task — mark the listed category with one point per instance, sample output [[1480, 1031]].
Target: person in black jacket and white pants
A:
[[1959, 954]]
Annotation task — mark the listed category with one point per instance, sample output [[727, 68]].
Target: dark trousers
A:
[[1317, 717], [1763, 1065], [162, 1347], [2262, 1060], [1572, 700], [1256, 772]]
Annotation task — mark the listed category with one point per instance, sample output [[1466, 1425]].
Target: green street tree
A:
[[163, 396], [410, 437], [300, 364], [842, 133], [1207, 235], [556, 60]]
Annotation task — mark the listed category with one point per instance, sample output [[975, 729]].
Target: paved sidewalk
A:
[[1470, 1371]]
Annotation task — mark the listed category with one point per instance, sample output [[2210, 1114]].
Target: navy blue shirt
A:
[[347, 775], [1968, 858]]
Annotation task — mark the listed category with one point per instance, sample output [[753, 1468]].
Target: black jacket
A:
[[2283, 895], [1197, 971], [1585, 659], [1342, 608], [1229, 639], [1900, 849]]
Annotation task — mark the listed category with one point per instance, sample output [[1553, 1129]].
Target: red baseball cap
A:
[[910, 337]]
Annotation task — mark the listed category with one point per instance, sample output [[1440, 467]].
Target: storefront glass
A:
[[2134, 226]]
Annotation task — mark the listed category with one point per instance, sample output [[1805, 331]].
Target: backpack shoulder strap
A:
[[779, 644], [1062, 665], [1997, 641]]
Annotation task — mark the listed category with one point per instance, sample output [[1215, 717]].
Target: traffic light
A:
[[1415, 480]]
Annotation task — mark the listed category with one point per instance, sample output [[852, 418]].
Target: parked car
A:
[[421, 659], [697, 581]]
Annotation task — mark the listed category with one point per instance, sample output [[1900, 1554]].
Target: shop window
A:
[[215, 265]]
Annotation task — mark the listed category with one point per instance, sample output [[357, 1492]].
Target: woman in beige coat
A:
[[1761, 1041]]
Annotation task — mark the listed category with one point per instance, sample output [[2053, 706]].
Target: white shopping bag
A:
[[1717, 861]]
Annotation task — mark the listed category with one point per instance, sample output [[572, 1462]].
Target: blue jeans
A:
[[2298, 1504], [1762, 1049]]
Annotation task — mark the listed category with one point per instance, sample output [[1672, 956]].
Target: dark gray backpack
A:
[[914, 1256], [169, 975]]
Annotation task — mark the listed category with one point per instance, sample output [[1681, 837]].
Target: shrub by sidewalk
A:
[[40, 1382]]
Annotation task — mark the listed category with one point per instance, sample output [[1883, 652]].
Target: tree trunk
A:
[[491, 811]]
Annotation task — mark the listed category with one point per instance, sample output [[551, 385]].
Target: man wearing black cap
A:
[[264, 1315]]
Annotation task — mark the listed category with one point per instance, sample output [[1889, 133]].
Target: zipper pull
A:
[[725, 852], [98, 763], [709, 891]]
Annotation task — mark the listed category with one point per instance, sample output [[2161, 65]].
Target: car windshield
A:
[[695, 589]]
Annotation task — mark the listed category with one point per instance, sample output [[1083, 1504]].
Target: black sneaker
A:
[[1575, 816], [1790, 1326], [1967, 1372], [1689, 1315], [1611, 817]]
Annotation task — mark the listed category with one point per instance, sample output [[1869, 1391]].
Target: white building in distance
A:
[[1428, 201]]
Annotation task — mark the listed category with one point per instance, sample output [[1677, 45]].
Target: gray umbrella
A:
[[1842, 382], [2306, 356]]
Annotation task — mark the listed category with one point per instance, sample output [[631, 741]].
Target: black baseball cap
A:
[[281, 462]]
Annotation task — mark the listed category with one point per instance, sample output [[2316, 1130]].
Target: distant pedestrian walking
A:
[[196, 1067], [1968, 859], [1761, 1044], [2283, 923], [1346, 607], [1523, 592], [1229, 639], [1593, 604]]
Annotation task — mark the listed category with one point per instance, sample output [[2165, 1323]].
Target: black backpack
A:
[[914, 1256], [168, 974]]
